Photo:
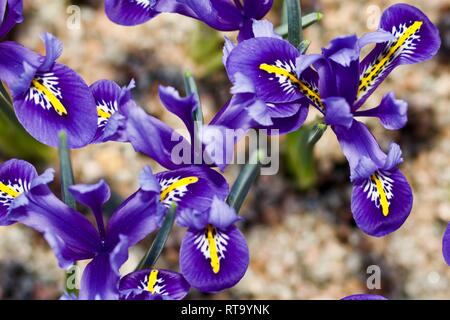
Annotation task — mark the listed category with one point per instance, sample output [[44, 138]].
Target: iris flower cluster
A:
[[273, 86]]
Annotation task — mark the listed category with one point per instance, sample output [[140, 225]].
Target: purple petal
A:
[[446, 245], [15, 179], [137, 217], [270, 64], [184, 108], [71, 236], [222, 215], [364, 297], [417, 40], [340, 77], [227, 48], [17, 66], [257, 9], [10, 14], [382, 202], [343, 50], [242, 84], [153, 284], [58, 100], [130, 13], [53, 50], [221, 15], [193, 219], [264, 28], [338, 112], [192, 187], [378, 36], [392, 113], [357, 142], [107, 95], [288, 124], [93, 196], [155, 139], [394, 157], [259, 112], [212, 260]]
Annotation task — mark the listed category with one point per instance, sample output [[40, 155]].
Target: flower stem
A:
[[158, 245], [307, 20]]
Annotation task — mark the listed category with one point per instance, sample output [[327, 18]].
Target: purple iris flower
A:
[[169, 148], [382, 198], [153, 284], [10, 15], [446, 245], [223, 15], [113, 103], [26, 198], [214, 254], [48, 96], [16, 178], [72, 237], [268, 93], [364, 297]]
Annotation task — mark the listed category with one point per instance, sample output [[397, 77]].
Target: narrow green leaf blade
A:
[[160, 241], [65, 164]]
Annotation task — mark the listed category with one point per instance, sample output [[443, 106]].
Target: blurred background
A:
[[303, 241]]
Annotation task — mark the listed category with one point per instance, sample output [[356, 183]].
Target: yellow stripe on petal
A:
[[177, 184], [8, 190], [382, 62], [54, 101], [303, 87], [383, 198], [152, 279], [215, 262], [103, 114]]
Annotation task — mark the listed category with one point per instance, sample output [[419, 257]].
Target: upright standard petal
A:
[[15, 179], [257, 9], [191, 187], [153, 284], [416, 40], [182, 107], [130, 12], [270, 64], [11, 13], [155, 139], [93, 196], [71, 236]]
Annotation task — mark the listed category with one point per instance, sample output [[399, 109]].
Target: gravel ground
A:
[[303, 245]]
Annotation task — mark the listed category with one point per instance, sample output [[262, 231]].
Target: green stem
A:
[[158, 245], [191, 88]]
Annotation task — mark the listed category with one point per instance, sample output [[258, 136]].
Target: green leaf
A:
[[244, 181], [160, 241], [295, 34], [65, 165], [307, 20]]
